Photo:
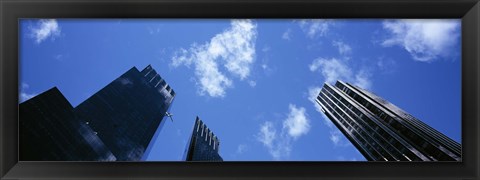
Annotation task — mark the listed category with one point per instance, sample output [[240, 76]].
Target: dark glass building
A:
[[121, 119], [380, 130], [203, 145], [49, 131]]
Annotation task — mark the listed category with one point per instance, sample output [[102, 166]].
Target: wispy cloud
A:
[[343, 48], [279, 142], [297, 122], [287, 35], [342, 158], [386, 65], [334, 69], [278, 145], [234, 49], [267, 134], [425, 40], [241, 148], [337, 138], [252, 83], [314, 28], [25, 86], [266, 49], [154, 30], [26, 96], [23, 95], [45, 28]]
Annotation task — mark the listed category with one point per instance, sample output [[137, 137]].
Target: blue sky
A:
[[253, 81]]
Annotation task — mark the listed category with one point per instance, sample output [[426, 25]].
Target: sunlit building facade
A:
[[120, 119], [382, 131], [203, 145]]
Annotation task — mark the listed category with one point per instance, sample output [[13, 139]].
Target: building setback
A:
[[203, 145], [380, 130], [120, 119]]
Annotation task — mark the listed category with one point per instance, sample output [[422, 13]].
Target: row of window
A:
[[208, 134], [153, 76], [367, 131], [413, 137], [359, 139], [377, 133]]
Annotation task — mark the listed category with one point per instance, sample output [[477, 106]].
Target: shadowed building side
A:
[[203, 144], [50, 131], [380, 130], [127, 112], [116, 123]]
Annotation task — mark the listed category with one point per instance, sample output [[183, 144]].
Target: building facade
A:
[[382, 131], [122, 117], [203, 144], [50, 131]]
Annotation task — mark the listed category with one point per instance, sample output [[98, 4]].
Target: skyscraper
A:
[[121, 118], [203, 145], [50, 131], [380, 130]]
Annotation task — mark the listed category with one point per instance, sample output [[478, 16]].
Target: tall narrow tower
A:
[[203, 145], [380, 130]]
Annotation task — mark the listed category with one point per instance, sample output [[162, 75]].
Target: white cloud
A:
[[297, 122], [287, 34], [44, 29], [315, 27], [58, 57], [241, 148], [343, 48], [266, 49], [362, 79], [234, 49], [425, 40], [26, 96], [23, 95], [25, 86], [264, 66], [279, 142], [267, 134], [337, 138], [334, 69], [252, 83], [278, 145], [386, 65], [154, 30]]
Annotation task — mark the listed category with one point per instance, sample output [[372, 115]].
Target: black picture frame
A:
[[467, 10]]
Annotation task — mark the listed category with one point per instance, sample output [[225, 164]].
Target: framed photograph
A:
[[224, 89]]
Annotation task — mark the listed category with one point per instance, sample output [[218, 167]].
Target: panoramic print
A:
[[240, 90]]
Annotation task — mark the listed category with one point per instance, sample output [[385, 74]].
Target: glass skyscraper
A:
[[203, 144], [116, 123], [50, 131], [380, 130]]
